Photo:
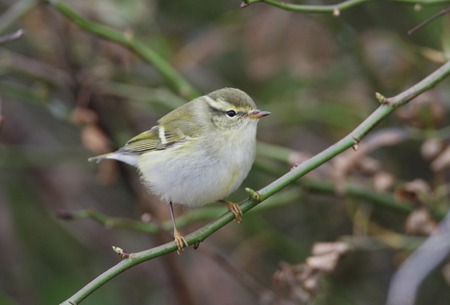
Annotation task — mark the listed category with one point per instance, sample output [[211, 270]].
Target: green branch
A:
[[109, 222], [334, 9], [175, 79], [353, 190], [387, 106]]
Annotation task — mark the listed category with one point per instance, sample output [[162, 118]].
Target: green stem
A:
[[334, 9], [359, 192], [207, 213], [175, 79], [388, 105]]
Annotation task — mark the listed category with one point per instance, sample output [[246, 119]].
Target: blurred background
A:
[[67, 94]]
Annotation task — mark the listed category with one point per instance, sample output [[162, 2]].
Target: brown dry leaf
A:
[[431, 148], [321, 248], [340, 167], [344, 164], [420, 222], [433, 55], [91, 136], [325, 262], [326, 255], [383, 181], [301, 281], [442, 161], [82, 115], [312, 282], [94, 139], [350, 160], [286, 274], [107, 173], [413, 191], [418, 186]]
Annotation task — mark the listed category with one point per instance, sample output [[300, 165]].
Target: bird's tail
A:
[[98, 159], [130, 159]]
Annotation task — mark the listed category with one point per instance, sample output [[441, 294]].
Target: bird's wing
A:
[[172, 129]]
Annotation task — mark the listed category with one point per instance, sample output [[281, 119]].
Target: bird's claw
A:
[[235, 209], [180, 241]]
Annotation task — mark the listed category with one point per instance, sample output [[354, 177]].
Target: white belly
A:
[[198, 178]]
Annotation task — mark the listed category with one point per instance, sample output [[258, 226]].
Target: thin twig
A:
[[370, 196], [428, 21], [334, 9], [10, 37], [110, 222]]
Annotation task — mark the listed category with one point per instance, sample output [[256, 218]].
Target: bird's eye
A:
[[231, 113]]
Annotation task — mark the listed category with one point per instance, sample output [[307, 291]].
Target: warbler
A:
[[198, 153]]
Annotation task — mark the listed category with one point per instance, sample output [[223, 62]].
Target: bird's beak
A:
[[257, 114]]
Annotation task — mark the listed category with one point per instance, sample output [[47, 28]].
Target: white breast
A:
[[209, 172]]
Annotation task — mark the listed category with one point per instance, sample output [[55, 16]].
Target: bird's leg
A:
[[179, 239], [234, 208]]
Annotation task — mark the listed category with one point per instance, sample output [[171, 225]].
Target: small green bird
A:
[[197, 154]]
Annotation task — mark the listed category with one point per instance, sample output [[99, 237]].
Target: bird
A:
[[198, 153]]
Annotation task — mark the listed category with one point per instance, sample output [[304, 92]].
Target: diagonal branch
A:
[[146, 53], [387, 106]]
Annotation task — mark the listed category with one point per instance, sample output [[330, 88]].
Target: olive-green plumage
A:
[[198, 153]]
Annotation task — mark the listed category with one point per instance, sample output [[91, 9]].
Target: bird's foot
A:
[[180, 241], [235, 209]]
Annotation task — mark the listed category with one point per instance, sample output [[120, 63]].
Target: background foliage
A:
[[67, 95]]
